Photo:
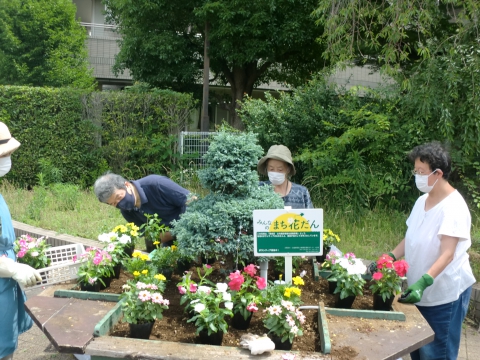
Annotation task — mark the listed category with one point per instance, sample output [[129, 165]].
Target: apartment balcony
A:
[[102, 47]]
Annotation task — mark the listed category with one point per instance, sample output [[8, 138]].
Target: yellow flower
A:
[[296, 291], [136, 273], [144, 257], [134, 233], [297, 280], [160, 277], [156, 242], [136, 254], [145, 272], [173, 247], [288, 292]]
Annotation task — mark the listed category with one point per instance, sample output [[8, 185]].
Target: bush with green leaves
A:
[[222, 221]]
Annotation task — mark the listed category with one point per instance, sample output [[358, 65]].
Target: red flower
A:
[[236, 281], [401, 267], [377, 276], [261, 283], [384, 260], [250, 270]]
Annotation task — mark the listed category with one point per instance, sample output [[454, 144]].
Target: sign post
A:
[[288, 232]]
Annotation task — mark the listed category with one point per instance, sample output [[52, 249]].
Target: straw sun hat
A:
[[8, 144], [277, 152]]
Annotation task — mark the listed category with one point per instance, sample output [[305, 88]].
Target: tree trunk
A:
[[241, 81]]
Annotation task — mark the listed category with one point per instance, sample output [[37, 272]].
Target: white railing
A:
[[101, 30]]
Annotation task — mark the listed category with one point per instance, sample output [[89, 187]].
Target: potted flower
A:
[[139, 266], [143, 303], [129, 230], [164, 259], [116, 245], [208, 304], [329, 239], [246, 289], [387, 281], [347, 272], [152, 230], [95, 270], [284, 321], [275, 293], [330, 260], [31, 251]]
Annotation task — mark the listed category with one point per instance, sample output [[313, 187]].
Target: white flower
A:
[[222, 287], [199, 307], [229, 305], [204, 289], [110, 247], [31, 245], [294, 330], [227, 296], [107, 237], [125, 239], [274, 310], [353, 266], [126, 287], [34, 253], [194, 301]]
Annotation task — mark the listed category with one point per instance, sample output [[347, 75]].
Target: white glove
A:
[[257, 344], [25, 275]]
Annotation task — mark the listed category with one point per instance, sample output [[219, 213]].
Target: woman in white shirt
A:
[[435, 246]]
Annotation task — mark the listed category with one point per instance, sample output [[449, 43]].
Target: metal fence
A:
[[193, 145]]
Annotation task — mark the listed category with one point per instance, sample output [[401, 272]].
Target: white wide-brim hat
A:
[[277, 152], [8, 144]]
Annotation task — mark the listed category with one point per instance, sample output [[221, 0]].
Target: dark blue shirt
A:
[[297, 198], [158, 195]]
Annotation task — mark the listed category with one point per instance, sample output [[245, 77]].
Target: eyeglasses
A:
[[421, 173]]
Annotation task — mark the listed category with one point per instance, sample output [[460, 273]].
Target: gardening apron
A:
[[13, 318]]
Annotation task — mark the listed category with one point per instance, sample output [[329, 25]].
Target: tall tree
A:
[[41, 44], [251, 42], [395, 35]]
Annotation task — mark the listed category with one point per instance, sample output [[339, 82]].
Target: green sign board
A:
[[288, 232]]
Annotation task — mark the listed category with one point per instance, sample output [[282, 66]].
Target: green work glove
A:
[[414, 293], [392, 256]]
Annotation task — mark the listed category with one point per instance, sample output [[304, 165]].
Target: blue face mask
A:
[[127, 203]]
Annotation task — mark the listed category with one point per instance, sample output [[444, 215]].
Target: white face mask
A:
[[422, 182], [276, 178], [5, 165]]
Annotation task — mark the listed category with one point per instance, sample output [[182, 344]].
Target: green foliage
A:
[[65, 196], [49, 174], [221, 222], [152, 229], [139, 127], [251, 42], [48, 123], [75, 136], [165, 257], [36, 207], [42, 44]]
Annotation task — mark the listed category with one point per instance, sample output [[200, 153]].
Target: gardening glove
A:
[[257, 344], [372, 268], [414, 293], [25, 275]]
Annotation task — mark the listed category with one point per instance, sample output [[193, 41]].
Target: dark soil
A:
[[174, 326]]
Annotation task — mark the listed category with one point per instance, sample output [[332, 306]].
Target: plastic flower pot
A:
[[90, 287], [167, 272], [279, 345], [239, 323], [212, 339], [142, 330], [379, 304], [345, 303], [332, 285]]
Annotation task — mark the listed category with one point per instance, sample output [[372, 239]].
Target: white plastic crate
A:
[[62, 268]]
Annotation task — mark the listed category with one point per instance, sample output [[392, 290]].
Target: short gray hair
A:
[[106, 185]]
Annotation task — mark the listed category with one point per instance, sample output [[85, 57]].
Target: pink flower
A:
[[250, 270], [207, 266], [144, 295], [377, 276], [401, 267], [236, 281], [252, 307], [261, 283], [97, 260], [21, 254], [74, 258], [193, 288], [288, 356], [181, 290]]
